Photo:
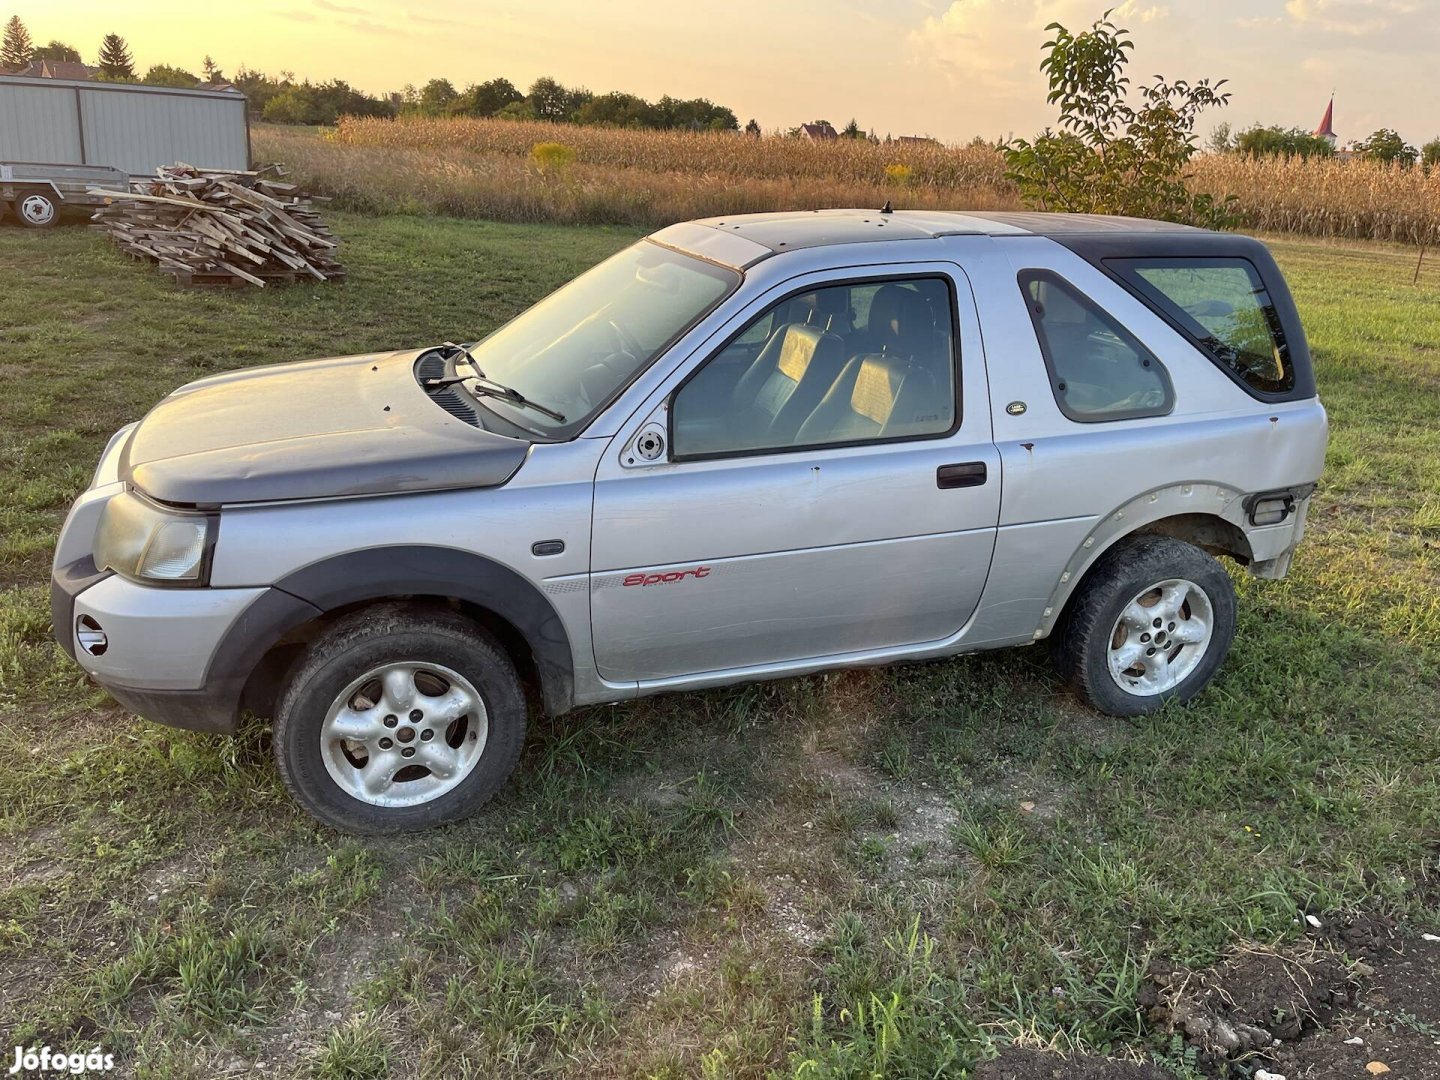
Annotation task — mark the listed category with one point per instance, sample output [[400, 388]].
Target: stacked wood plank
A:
[[213, 227]]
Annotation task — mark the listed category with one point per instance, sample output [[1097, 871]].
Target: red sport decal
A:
[[666, 578]]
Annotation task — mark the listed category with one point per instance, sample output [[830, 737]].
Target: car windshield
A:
[[576, 349]]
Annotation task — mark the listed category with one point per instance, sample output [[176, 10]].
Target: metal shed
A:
[[134, 129]]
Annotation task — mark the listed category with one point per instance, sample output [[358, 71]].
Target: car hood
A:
[[349, 425]]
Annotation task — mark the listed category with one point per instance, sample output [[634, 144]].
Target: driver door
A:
[[863, 523]]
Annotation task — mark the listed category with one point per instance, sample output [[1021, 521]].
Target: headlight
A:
[[146, 542]]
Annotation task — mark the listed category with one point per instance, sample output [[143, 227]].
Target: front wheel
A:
[[1152, 623], [36, 211], [399, 719]]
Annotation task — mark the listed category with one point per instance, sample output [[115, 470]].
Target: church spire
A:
[[1326, 130]]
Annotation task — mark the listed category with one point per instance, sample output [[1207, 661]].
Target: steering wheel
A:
[[624, 340]]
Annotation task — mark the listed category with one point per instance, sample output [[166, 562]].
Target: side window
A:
[[850, 363], [1098, 370], [1223, 305]]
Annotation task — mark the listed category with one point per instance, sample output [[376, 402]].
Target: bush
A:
[[899, 175], [552, 156], [1430, 152]]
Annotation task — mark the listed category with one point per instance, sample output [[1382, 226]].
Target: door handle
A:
[[969, 474]]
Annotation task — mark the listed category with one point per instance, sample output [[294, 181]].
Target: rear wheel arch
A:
[[491, 595], [1194, 513]]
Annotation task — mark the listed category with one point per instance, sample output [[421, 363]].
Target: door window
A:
[[1098, 370], [848, 363]]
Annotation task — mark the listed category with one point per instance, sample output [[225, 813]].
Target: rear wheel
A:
[[399, 719], [1152, 623], [36, 210]]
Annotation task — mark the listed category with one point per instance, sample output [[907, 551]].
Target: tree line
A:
[[1385, 145], [284, 100]]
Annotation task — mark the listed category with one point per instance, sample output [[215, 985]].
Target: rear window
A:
[[1224, 307]]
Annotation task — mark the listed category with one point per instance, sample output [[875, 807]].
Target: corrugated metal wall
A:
[[139, 132], [134, 130], [38, 123]]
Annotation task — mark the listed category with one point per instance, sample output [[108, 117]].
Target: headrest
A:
[[797, 349], [821, 308], [901, 320]]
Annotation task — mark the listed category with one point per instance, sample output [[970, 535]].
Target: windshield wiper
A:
[[486, 387], [489, 388]]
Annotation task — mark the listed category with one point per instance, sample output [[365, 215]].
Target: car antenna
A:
[[887, 208]]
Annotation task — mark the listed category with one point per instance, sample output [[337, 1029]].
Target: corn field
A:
[[492, 168], [1350, 199]]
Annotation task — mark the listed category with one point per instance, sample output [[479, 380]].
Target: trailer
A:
[[59, 139]]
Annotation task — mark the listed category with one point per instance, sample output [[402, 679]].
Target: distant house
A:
[[921, 139], [818, 132], [58, 69], [223, 87]]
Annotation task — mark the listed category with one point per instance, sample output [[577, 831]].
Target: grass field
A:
[[882, 873]]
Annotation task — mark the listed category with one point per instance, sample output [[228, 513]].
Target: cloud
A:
[[991, 49], [1354, 18]]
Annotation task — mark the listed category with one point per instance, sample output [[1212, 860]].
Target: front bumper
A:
[[179, 657]]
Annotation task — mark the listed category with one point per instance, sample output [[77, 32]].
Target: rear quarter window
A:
[[1223, 306], [1099, 371]]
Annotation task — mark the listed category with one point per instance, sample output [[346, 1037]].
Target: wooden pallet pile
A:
[[213, 227]]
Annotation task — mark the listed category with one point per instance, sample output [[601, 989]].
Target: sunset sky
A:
[[948, 68]]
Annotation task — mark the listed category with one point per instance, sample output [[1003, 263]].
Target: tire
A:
[[36, 210], [344, 721], [1129, 608]]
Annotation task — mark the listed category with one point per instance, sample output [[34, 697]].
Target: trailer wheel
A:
[[36, 210]]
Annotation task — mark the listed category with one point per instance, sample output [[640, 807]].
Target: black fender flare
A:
[[375, 574]]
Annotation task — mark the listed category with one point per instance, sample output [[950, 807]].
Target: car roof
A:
[[768, 234]]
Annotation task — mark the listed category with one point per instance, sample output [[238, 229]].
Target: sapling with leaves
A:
[[1112, 156]]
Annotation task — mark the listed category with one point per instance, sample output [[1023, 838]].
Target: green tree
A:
[[486, 99], [753, 128], [58, 51], [618, 110], [213, 74], [517, 110], [551, 101], [260, 89], [1220, 141], [1109, 156], [165, 75], [436, 97], [1275, 141], [17, 49], [1387, 146], [288, 107], [1430, 153], [115, 62], [852, 130]]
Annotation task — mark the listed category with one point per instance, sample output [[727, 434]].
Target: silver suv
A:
[[743, 448]]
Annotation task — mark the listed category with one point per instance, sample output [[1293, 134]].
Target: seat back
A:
[[876, 396], [787, 380]]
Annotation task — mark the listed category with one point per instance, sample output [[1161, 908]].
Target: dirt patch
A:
[[1356, 999], [31, 857], [1396, 1023], [1017, 1064]]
